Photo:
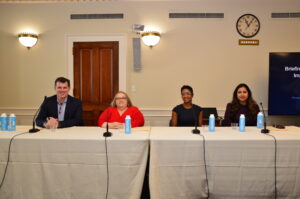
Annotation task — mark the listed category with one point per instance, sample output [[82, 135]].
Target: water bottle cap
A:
[[242, 115], [127, 117], [211, 115], [12, 115], [3, 115]]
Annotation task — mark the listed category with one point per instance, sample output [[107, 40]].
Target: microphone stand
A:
[[195, 130], [107, 133], [264, 130], [34, 130]]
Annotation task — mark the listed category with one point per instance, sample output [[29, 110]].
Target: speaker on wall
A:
[[136, 46]]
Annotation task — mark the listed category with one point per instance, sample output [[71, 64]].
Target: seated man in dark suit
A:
[[60, 110]]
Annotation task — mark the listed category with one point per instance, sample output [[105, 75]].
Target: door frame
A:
[[121, 38]]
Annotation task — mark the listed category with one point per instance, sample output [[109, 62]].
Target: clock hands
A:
[[250, 22], [246, 22]]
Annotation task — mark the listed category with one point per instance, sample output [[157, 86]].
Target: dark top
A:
[[250, 119], [73, 112], [187, 117]]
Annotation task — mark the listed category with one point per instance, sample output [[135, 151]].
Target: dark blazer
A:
[[73, 112]]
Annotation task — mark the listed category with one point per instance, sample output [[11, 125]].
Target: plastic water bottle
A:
[[242, 123], [260, 120], [12, 122], [3, 122], [127, 124], [211, 127]]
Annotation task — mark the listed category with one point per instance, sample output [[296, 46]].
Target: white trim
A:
[[31, 111], [121, 38], [147, 112], [18, 111], [156, 112]]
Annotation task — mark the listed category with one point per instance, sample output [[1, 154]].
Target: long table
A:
[[71, 163], [239, 165]]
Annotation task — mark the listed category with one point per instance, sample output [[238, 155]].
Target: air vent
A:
[[295, 15], [97, 16], [196, 15], [214, 15], [285, 15]]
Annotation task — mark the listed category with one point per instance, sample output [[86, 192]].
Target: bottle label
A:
[[242, 124], [3, 123], [260, 119], [11, 124], [127, 126], [211, 124]]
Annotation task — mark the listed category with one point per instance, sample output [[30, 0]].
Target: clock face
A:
[[248, 25]]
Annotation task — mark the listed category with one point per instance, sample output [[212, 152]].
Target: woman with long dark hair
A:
[[242, 103]]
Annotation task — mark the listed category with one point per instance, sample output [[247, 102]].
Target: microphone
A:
[[107, 133], [195, 130], [34, 130], [264, 130]]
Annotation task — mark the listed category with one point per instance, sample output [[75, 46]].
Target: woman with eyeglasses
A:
[[121, 106], [187, 113]]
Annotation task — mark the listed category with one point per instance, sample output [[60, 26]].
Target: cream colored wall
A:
[[203, 53]]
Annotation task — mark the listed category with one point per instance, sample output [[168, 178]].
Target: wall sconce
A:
[[28, 39], [150, 38]]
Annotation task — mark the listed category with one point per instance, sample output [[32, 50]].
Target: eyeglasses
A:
[[121, 98]]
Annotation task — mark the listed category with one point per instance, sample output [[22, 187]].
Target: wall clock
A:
[[248, 25]]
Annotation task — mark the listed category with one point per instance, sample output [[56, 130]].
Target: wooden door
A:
[[96, 77]]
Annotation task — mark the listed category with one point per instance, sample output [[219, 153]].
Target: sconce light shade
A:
[[150, 38], [28, 39]]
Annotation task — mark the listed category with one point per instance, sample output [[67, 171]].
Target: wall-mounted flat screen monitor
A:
[[284, 83]]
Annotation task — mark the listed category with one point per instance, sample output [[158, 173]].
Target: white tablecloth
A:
[[71, 163], [239, 165]]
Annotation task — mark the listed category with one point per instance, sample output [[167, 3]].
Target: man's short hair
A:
[[62, 80]]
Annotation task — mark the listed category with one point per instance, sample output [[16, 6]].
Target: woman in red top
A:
[[116, 113]]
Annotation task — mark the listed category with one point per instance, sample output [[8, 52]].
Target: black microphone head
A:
[[261, 105]]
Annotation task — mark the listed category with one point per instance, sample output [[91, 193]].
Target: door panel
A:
[[96, 76]]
